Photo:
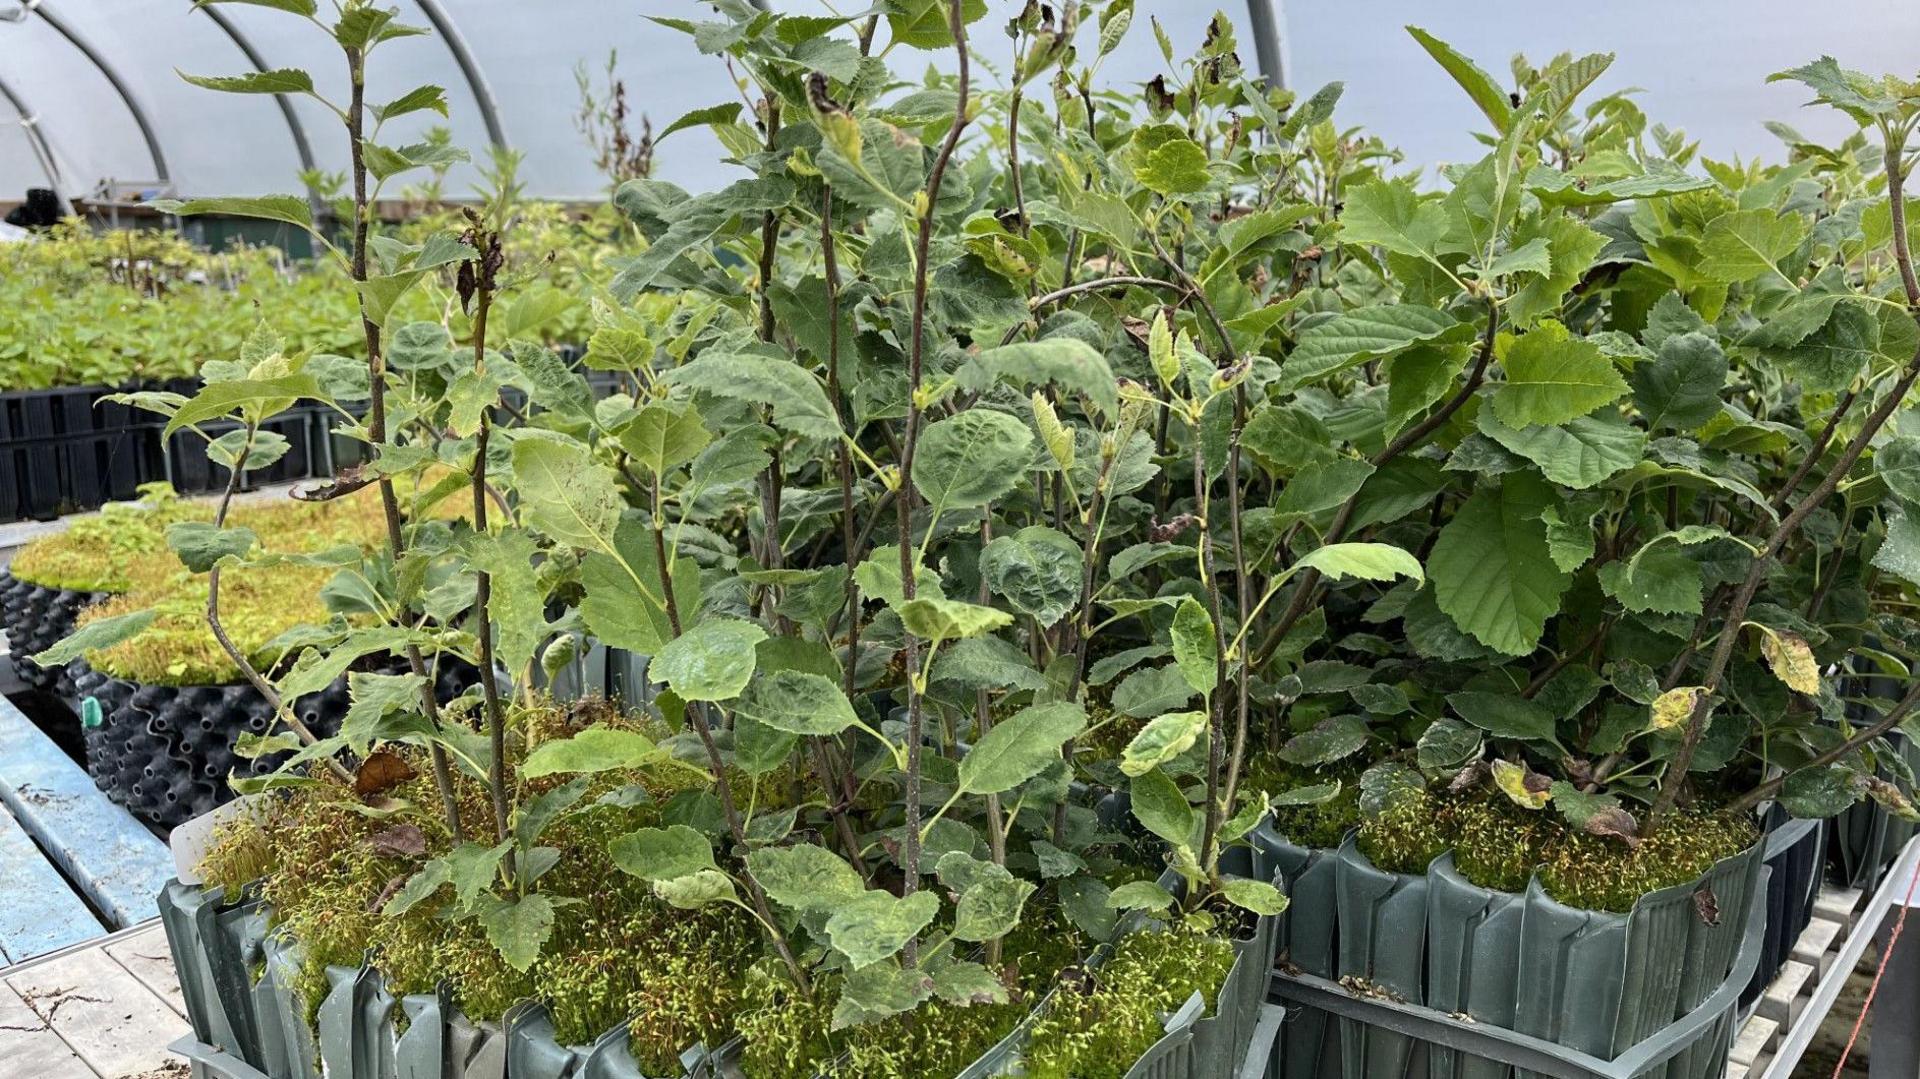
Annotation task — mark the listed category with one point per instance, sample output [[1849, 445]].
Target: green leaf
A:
[[664, 436], [1896, 462], [1365, 561], [258, 398], [1195, 649], [971, 459], [712, 114], [968, 983], [1020, 747], [1255, 895], [1581, 454], [804, 877], [98, 634], [1446, 745], [1661, 579], [1491, 570], [1392, 216], [1066, 363], [1170, 165], [202, 544], [1161, 740], [473, 869], [1353, 337], [1819, 793], [989, 663], [595, 749], [1553, 378], [1681, 388], [1479, 85], [797, 702], [1151, 691], [1860, 96], [284, 80], [1140, 895], [1322, 488], [990, 906], [949, 619], [519, 928], [873, 925], [625, 603], [710, 662], [374, 697], [1332, 739], [565, 493], [516, 602], [418, 99], [655, 854], [877, 991], [1504, 716], [288, 209], [1037, 570], [798, 401], [1745, 244], [1160, 807]]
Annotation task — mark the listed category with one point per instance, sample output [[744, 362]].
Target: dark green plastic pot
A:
[[1596, 985], [250, 1023]]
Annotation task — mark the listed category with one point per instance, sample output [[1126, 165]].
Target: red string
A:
[[1885, 953]]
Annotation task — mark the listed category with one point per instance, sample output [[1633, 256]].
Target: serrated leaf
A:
[[873, 925], [656, 854], [1791, 659], [1160, 808], [1257, 896], [1491, 569], [949, 619], [1019, 747], [1161, 740], [710, 662], [971, 459], [1553, 377], [101, 633], [804, 876], [797, 702], [1580, 454], [595, 749], [1745, 244], [1367, 333], [1392, 216]]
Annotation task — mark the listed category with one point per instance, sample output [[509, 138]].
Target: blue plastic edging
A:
[[38, 912], [111, 857]]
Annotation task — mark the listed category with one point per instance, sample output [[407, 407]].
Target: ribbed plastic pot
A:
[[165, 752], [1865, 839], [1306, 939], [35, 618], [250, 1023], [1796, 856], [1595, 984]]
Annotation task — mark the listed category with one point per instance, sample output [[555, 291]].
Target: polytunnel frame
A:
[[29, 8], [1263, 18], [42, 146]]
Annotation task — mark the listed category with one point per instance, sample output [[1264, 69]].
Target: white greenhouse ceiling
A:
[[93, 83]]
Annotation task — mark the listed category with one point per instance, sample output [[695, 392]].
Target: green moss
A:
[[1098, 1034], [122, 546], [1408, 835], [1321, 824], [257, 603], [1499, 845], [1599, 874], [618, 953], [788, 1037]]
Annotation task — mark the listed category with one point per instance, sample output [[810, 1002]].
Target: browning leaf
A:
[[379, 774], [1706, 905], [400, 841]]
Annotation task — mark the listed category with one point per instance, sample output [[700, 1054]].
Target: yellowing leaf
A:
[[1791, 659], [1527, 789], [1671, 709]]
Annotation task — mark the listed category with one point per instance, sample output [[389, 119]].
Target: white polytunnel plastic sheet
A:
[[1700, 65]]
